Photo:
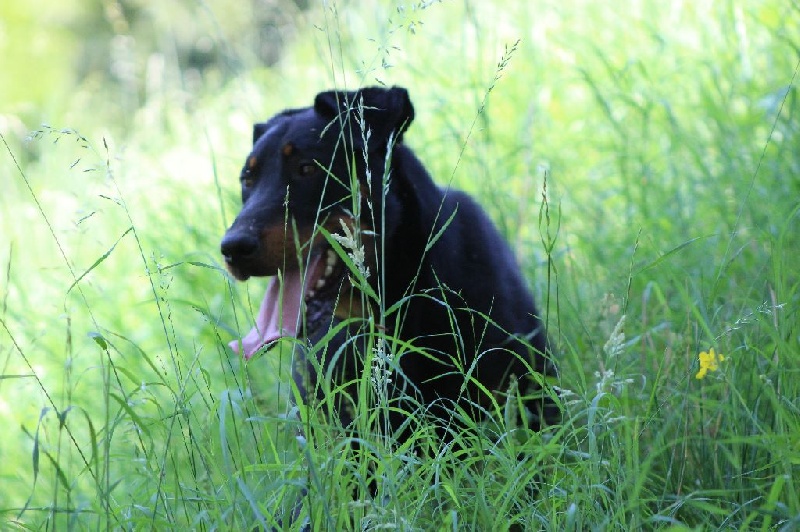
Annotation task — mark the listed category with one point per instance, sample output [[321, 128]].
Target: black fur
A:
[[464, 305]]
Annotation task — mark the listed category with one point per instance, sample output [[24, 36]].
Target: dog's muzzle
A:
[[237, 246]]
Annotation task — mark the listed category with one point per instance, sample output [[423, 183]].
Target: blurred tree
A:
[[130, 48], [37, 49]]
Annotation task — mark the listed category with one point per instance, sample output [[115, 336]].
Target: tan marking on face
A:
[[251, 162], [278, 250], [288, 149], [350, 303]]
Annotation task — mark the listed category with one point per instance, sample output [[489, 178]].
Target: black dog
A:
[[435, 278]]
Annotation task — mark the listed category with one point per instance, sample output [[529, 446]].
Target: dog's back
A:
[[472, 309]]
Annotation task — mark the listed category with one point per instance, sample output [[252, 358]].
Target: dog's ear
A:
[[385, 111], [258, 130]]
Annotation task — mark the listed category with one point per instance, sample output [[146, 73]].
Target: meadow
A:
[[642, 157]]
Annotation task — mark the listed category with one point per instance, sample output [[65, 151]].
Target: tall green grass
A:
[[666, 135]]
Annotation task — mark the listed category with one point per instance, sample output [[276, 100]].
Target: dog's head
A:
[[301, 174]]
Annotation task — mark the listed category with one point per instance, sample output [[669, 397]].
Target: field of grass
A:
[[642, 157]]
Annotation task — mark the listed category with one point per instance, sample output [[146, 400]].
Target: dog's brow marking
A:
[[287, 149]]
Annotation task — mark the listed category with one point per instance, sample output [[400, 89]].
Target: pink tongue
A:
[[279, 314]]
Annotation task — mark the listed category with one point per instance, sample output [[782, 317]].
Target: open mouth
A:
[[282, 309], [326, 277]]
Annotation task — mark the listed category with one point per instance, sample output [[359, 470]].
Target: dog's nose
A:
[[238, 245]]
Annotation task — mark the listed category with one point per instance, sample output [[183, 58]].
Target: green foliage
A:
[[641, 157]]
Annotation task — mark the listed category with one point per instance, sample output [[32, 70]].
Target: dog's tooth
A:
[[331, 258], [320, 283], [328, 270]]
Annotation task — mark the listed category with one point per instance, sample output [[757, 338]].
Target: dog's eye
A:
[[248, 180], [307, 169]]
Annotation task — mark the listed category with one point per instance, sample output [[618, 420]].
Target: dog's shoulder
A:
[[457, 243]]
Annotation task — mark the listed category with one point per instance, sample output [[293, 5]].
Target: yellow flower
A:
[[709, 362]]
